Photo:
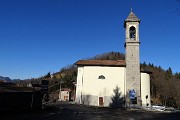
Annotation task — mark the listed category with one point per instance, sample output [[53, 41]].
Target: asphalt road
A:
[[68, 111]]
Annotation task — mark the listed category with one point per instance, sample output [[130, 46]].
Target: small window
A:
[[101, 77]]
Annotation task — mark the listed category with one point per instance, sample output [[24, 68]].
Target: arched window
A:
[[132, 32], [101, 77]]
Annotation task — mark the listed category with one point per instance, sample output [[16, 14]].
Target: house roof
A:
[[66, 89], [101, 63]]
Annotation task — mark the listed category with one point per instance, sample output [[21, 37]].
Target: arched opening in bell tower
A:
[[132, 32]]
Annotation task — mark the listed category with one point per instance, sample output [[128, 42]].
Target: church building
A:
[[112, 83]]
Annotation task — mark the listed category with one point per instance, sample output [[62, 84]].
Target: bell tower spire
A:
[[131, 25]]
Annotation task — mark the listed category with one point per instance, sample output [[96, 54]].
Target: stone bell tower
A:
[[131, 25]]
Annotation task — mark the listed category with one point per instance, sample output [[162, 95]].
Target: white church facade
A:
[[111, 83]]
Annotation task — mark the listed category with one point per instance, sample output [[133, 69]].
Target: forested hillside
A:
[[165, 85]]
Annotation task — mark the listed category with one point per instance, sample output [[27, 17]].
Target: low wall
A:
[[10, 101]]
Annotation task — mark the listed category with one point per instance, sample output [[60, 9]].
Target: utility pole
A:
[[60, 90], [61, 77], [74, 90]]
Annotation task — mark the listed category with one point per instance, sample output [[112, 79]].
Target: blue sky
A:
[[41, 36]]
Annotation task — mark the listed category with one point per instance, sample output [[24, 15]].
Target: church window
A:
[[101, 77], [132, 32]]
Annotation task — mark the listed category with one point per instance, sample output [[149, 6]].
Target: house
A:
[[65, 94]]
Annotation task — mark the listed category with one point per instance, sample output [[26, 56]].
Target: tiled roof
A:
[[145, 71], [132, 18], [66, 89], [101, 62]]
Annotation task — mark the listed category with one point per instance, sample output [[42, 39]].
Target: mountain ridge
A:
[[7, 79]]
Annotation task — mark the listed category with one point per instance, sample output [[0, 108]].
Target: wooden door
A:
[[65, 98], [101, 101]]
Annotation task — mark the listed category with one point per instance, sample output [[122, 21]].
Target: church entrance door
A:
[[101, 101]]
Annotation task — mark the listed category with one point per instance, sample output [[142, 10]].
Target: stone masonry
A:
[[132, 57]]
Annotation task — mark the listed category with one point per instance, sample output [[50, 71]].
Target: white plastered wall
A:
[[79, 85], [145, 89], [88, 83]]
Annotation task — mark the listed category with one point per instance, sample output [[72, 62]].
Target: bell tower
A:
[[131, 25]]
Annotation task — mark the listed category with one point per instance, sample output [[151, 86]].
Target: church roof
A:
[[145, 71], [132, 18], [101, 62]]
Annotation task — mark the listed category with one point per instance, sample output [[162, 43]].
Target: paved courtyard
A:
[[69, 111]]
